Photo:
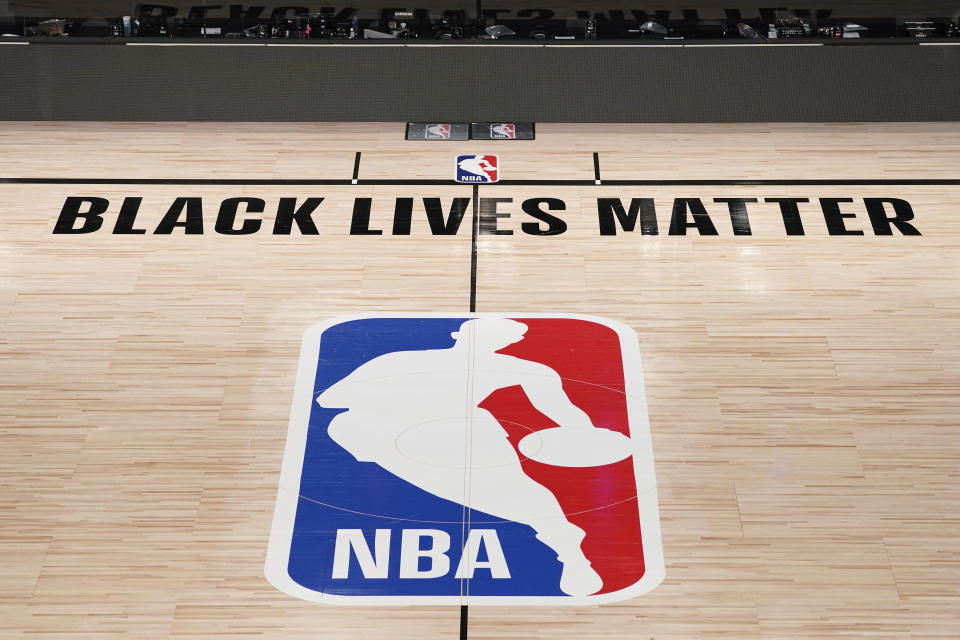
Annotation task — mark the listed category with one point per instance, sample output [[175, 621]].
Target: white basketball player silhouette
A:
[[415, 414]]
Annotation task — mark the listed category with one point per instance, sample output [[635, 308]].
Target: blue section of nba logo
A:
[[339, 493]]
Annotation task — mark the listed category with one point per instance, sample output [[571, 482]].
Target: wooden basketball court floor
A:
[[802, 389]]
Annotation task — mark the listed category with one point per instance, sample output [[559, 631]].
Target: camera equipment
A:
[[321, 25], [653, 27], [833, 31], [52, 27], [499, 31], [788, 29], [920, 28], [852, 30], [746, 31]]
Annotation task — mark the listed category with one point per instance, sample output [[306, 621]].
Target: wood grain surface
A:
[[804, 391]]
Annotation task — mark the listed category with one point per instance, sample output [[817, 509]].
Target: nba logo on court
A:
[[478, 169], [437, 132], [467, 459], [504, 131]]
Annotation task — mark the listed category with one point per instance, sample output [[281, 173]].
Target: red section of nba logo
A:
[[490, 165], [600, 500]]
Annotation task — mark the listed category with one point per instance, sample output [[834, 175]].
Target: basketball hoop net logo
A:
[[476, 459]]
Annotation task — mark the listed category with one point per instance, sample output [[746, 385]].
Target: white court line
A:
[[193, 44], [940, 44], [8, 42], [478, 44], [334, 44], [486, 44], [540, 46], [614, 46], [755, 44]]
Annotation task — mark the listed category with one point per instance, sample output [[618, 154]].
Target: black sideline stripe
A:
[[464, 613], [473, 249], [533, 183]]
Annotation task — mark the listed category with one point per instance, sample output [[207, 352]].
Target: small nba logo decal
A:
[[478, 169], [467, 459], [437, 132], [504, 131]]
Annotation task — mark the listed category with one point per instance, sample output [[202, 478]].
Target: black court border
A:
[[777, 182]]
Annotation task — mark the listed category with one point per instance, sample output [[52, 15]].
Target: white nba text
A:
[[351, 543]]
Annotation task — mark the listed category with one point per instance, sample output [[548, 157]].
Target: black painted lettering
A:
[[639, 15], [92, 217], [701, 220], [360, 222], [445, 225], [536, 14], [614, 15], [127, 217], [489, 216], [199, 12], [227, 217], [532, 207], [767, 15], [492, 13], [290, 12], [288, 213], [237, 11], [790, 213], [402, 215], [192, 211], [738, 214], [157, 10], [642, 208], [834, 217], [441, 224], [902, 212]]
